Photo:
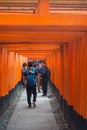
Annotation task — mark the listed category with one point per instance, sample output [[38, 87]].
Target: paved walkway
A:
[[39, 118]]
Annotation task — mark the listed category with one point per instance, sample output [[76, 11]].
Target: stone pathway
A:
[[47, 115]]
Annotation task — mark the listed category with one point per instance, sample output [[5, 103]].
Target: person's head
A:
[[42, 62], [30, 64], [34, 65], [39, 64], [24, 65]]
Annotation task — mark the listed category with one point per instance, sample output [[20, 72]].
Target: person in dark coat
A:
[[45, 74]]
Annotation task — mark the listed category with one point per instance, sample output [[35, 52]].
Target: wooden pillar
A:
[[42, 7], [65, 72], [83, 89], [51, 67], [49, 64], [11, 69], [1, 74], [3, 71], [56, 69], [60, 70], [71, 62], [77, 78]]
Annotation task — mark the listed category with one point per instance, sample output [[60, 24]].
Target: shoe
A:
[[29, 105], [44, 95], [34, 104], [39, 91]]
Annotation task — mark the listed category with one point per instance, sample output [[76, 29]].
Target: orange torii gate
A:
[[60, 39]]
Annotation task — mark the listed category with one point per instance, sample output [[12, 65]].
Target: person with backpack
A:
[[30, 75]]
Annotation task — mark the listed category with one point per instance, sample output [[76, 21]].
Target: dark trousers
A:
[[44, 85], [31, 90]]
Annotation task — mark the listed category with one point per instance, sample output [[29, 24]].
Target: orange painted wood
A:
[[71, 58], [55, 69], [38, 37], [43, 7], [10, 70], [65, 72], [83, 96], [77, 88], [60, 71], [3, 71], [36, 9], [49, 64], [51, 61], [60, 19], [1, 75]]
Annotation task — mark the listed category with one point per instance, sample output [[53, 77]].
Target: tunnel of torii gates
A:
[[59, 39]]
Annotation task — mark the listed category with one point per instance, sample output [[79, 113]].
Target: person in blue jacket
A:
[[30, 75]]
